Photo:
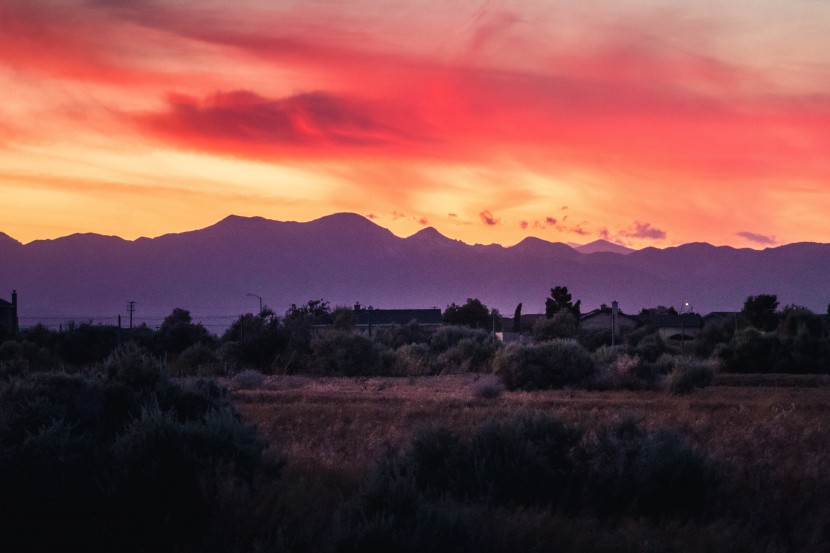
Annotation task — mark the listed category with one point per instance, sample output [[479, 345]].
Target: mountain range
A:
[[345, 258]]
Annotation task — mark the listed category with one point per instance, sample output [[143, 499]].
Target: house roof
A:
[[719, 315], [398, 316], [688, 320], [605, 311], [4, 303]]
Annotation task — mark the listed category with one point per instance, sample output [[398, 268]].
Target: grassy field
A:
[[770, 444]]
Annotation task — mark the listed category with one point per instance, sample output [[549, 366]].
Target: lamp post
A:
[[685, 308], [260, 301]]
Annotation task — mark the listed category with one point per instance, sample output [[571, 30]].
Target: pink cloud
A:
[[488, 218]]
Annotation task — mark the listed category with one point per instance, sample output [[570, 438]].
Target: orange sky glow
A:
[[646, 123]]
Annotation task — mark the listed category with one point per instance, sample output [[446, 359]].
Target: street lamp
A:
[[685, 308], [260, 301]]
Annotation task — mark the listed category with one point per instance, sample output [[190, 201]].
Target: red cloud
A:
[[488, 218], [247, 124]]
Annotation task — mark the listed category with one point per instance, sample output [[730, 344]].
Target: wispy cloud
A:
[[643, 231], [761, 239]]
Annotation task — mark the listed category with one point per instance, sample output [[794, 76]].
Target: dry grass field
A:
[[771, 445]]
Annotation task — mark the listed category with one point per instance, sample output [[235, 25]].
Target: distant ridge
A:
[[345, 258]]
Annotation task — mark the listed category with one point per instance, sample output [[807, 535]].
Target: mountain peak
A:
[[429, 236], [603, 246], [537, 246], [347, 223], [6, 241]]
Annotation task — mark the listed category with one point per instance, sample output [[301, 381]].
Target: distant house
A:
[[675, 326], [366, 319], [8, 314], [719, 317], [526, 323], [601, 319]]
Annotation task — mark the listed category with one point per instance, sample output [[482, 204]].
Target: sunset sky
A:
[[647, 123]]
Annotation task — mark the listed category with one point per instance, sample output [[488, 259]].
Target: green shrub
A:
[[547, 365], [632, 472], [625, 372], [248, 380], [348, 354], [689, 374], [488, 387], [525, 460], [396, 336], [473, 353], [390, 515], [414, 360], [449, 336], [562, 325], [131, 462], [134, 367], [199, 359]]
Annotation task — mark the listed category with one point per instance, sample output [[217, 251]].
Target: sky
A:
[[647, 123]]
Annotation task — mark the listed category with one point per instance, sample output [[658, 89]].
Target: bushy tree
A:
[[760, 311], [255, 340], [561, 300], [177, 332], [562, 325], [344, 353], [473, 314]]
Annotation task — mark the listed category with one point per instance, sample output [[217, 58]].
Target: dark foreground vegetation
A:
[[558, 442]]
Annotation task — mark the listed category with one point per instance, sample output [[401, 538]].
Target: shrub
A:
[[630, 471], [133, 367], [348, 354], [248, 380], [525, 460], [651, 347], [625, 372], [750, 351], [198, 359], [473, 353], [689, 375], [561, 325], [413, 360], [132, 462], [488, 387], [547, 365], [390, 515], [395, 336]]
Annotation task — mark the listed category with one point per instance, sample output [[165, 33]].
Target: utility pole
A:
[[131, 310]]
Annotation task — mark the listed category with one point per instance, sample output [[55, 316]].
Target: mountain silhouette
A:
[[345, 258], [603, 246]]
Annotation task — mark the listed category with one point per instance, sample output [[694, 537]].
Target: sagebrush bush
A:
[[625, 372], [535, 461], [414, 360], [470, 354], [347, 354], [134, 367], [449, 336], [689, 374], [130, 462], [553, 364], [524, 460], [199, 359], [488, 387], [248, 379], [390, 515], [633, 472]]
